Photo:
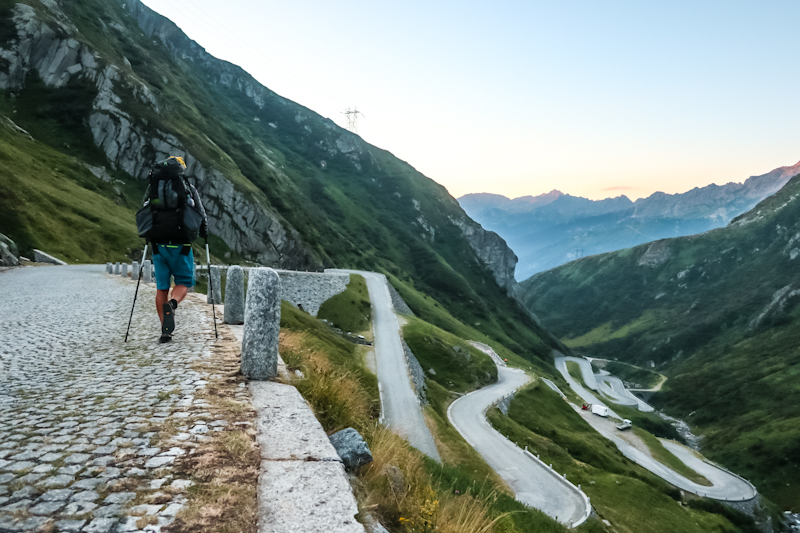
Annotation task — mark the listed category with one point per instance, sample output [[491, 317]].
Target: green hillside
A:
[[718, 314], [114, 86]]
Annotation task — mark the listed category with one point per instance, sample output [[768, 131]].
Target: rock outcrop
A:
[[9, 254], [493, 251], [48, 45]]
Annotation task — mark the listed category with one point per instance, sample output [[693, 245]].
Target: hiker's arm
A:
[[146, 195]]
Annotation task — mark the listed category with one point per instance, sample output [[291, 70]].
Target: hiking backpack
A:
[[170, 213]]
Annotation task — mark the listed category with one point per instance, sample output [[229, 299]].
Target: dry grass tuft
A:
[[225, 469], [397, 488], [335, 393]]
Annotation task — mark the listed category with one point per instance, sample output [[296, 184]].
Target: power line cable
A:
[[214, 25]]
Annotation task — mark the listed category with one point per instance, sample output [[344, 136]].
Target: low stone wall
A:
[[41, 257], [309, 290], [505, 403], [400, 305], [416, 372]]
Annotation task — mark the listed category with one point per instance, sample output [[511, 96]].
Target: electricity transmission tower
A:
[[352, 118]]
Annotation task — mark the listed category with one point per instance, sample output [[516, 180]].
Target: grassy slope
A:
[[350, 310], [50, 201], [734, 381], [663, 456], [631, 498], [458, 366], [343, 394], [633, 374]]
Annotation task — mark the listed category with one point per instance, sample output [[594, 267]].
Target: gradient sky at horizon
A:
[[519, 97]]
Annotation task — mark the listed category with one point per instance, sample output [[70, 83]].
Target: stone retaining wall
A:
[[416, 372], [400, 306], [309, 290]]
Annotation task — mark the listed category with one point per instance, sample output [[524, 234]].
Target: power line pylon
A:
[[352, 118]]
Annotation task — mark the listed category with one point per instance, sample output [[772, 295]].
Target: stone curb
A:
[[303, 487]]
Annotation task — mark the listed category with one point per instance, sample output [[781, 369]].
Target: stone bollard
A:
[[262, 324], [135, 271], [116, 269], [110, 268], [147, 274], [123, 270], [215, 277], [234, 296]]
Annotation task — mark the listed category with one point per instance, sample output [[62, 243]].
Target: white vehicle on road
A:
[[599, 410]]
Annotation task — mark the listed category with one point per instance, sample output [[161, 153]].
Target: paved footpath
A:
[[89, 425]]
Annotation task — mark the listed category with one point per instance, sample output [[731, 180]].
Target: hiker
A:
[[172, 216]]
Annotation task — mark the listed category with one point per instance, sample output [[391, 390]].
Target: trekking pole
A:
[[138, 281], [211, 290]]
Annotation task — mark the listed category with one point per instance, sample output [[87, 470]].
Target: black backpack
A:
[[170, 213]]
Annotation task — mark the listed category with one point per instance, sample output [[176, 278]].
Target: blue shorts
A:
[[169, 262]]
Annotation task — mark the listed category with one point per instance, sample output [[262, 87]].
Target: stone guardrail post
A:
[[215, 277], [123, 270], [110, 268], [147, 273], [116, 268], [135, 271], [262, 323], [234, 296]]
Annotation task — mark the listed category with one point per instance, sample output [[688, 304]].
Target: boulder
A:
[[9, 254], [352, 448]]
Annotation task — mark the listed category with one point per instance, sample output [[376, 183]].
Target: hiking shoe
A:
[[174, 303], [168, 326], [165, 338]]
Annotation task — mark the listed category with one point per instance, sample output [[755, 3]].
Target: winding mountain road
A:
[[534, 483], [726, 485], [400, 407]]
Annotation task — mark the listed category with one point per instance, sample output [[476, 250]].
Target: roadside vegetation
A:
[[645, 379], [349, 311], [401, 487], [628, 496], [447, 359], [665, 457]]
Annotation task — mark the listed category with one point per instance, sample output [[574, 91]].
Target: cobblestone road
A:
[[90, 426]]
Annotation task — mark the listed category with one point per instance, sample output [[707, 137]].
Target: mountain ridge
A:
[[554, 228]]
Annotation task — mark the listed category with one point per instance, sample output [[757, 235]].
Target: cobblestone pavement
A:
[[90, 426]]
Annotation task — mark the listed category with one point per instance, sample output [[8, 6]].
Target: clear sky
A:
[[594, 98]]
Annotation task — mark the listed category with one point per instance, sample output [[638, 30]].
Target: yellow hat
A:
[[178, 159]]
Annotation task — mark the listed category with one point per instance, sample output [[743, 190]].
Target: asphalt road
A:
[[400, 408], [534, 484], [726, 486]]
